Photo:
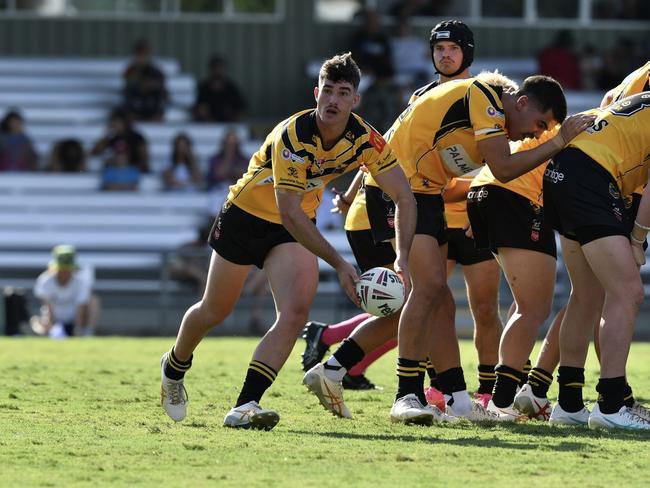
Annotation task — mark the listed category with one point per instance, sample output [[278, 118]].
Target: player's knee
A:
[[211, 316], [430, 290], [486, 314]]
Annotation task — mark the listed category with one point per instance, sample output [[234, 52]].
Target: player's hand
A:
[[574, 125], [401, 268], [348, 278], [638, 253], [468, 230], [339, 204]]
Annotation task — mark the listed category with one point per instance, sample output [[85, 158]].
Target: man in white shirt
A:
[[65, 295]]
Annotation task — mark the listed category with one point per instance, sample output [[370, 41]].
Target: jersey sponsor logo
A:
[[293, 172], [535, 229], [266, 181], [553, 175], [288, 155], [491, 111], [377, 141], [597, 126], [457, 160], [313, 184], [317, 166], [477, 195], [613, 191]]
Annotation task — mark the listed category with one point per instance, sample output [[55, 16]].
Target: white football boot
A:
[[506, 414], [329, 393], [559, 416], [532, 406], [251, 416], [173, 396], [623, 419], [639, 409], [409, 410]]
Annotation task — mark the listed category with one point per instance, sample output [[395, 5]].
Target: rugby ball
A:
[[380, 291]]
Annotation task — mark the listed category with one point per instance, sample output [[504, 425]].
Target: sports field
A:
[[85, 413]]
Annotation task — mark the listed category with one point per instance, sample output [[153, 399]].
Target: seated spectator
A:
[[144, 90], [559, 61], [369, 45], [218, 97], [16, 149], [411, 57], [68, 307], [67, 156], [183, 174], [224, 168], [122, 139]]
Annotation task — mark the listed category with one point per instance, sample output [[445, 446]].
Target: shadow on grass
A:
[[581, 438]]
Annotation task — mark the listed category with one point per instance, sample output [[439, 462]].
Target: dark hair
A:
[[11, 114], [458, 32], [182, 136], [341, 67], [547, 93]]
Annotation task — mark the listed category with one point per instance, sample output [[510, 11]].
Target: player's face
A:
[[335, 101], [448, 57], [527, 120]]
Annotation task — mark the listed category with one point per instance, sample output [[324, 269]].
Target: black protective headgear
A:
[[458, 32]]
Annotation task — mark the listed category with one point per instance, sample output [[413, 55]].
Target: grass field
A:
[[85, 413]]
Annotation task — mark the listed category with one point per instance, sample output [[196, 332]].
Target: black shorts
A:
[[581, 199], [242, 238], [368, 253], [430, 218], [462, 249], [503, 218]]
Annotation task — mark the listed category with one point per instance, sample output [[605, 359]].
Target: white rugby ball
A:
[[380, 291]]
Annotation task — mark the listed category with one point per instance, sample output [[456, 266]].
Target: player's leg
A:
[[224, 285], [533, 295], [482, 282], [612, 262]]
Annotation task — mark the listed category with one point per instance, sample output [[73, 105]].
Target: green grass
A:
[[85, 413]]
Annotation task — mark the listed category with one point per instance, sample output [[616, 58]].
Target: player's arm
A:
[[305, 232], [506, 166], [641, 227], [342, 201], [394, 183]]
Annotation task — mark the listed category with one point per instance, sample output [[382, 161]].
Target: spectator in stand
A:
[[67, 156], [420, 8], [16, 150], [183, 174], [382, 101], [369, 45], [224, 168], [411, 58], [591, 64], [127, 154], [68, 307], [145, 95], [619, 60], [559, 61], [218, 99]]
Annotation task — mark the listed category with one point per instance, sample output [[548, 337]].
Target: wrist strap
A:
[[642, 227], [637, 241]]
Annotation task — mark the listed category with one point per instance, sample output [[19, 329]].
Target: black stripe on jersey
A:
[[457, 117], [291, 184], [304, 126], [357, 128], [423, 89], [340, 168], [287, 143], [387, 164], [490, 96]]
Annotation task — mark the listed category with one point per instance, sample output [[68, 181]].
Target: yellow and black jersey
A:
[[357, 216], [422, 90], [456, 214], [293, 158], [636, 82], [619, 140], [435, 138], [528, 185]]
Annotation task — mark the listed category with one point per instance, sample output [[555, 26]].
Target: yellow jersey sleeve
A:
[[289, 165], [485, 112], [381, 158]]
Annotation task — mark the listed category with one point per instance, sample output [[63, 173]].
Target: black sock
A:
[[523, 376], [611, 392], [259, 378], [410, 378], [175, 369], [571, 381], [349, 354], [451, 381], [486, 378], [505, 385], [540, 381], [433, 375], [628, 396]]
